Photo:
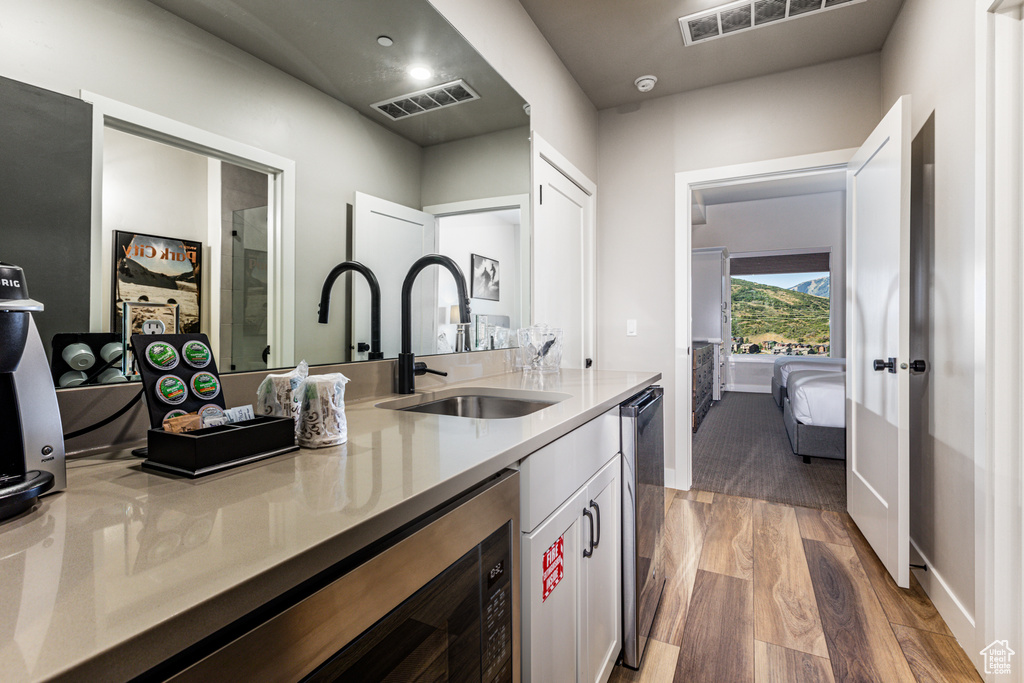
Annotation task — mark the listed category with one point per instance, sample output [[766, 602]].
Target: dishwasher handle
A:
[[644, 400]]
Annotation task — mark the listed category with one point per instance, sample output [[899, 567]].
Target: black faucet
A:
[[371, 279], [408, 368]]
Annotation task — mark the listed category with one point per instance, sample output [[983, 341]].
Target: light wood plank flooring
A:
[[758, 591]]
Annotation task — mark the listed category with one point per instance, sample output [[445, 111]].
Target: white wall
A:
[[826, 107], [465, 169], [139, 54], [155, 189], [813, 220], [504, 34], [930, 55]]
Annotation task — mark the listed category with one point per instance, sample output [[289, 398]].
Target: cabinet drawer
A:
[[550, 475]]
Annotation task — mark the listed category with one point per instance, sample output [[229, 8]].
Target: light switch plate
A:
[[631, 327]]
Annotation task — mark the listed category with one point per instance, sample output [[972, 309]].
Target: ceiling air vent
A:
[[422, 101], [744, 15]]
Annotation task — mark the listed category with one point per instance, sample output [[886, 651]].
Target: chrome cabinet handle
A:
[[597, 540], [590, 516]]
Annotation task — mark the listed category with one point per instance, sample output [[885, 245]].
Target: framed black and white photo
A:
[[486, 283]]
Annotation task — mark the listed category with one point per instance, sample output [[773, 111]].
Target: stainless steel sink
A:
[[478, 402]]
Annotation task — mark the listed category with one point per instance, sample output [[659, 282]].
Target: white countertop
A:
[[128, 567]]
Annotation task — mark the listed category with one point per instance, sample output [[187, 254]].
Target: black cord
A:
[[104, 422], [99, 370]]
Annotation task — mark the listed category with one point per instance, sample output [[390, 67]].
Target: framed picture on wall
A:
[[486, 283], [157, 270]]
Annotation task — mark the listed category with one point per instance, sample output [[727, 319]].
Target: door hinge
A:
[[589, 362], [541, 195]]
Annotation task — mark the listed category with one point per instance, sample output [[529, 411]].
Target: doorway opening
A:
[[766, 256]]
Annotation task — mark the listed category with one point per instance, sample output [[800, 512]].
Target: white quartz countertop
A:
[[127, 567]]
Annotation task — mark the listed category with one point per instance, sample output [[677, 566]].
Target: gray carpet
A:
[[742, 449]]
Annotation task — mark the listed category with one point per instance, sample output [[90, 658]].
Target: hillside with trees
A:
[[762, 313]]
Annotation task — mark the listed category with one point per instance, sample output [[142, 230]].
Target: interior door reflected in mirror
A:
[[486, 243]]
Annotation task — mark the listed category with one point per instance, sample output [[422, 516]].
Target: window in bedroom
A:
[[781, 304]]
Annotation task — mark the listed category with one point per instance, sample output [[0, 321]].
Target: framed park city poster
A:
[[157, 270]]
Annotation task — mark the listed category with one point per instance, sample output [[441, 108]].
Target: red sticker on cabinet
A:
[[554, 567]]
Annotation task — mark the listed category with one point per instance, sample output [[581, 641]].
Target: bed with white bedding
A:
[[815, 413], [786, 364]]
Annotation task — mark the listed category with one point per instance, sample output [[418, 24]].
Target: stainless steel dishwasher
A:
[[643, 518]]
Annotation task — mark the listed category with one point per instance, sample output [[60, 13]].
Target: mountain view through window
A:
[[781, 314]]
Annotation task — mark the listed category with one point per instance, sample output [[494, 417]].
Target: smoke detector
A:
[[645, 83]]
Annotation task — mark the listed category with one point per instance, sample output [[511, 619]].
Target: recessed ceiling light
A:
[[420, 72], [385, 41]]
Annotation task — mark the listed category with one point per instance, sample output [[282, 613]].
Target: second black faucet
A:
[[407, 369]]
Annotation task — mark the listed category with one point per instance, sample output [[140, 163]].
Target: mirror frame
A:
[[280, 241]]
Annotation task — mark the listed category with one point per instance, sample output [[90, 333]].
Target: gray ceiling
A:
[[607, 44], [332, 46]]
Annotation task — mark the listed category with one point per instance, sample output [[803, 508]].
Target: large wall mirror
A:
[[234, 190]]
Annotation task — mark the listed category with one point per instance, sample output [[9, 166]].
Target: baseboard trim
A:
[[749, 388], [953, 612]]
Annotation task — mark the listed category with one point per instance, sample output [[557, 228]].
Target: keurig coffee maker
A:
[[31, 438]]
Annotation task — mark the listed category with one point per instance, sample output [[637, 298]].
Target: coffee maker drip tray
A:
[[18, 492]]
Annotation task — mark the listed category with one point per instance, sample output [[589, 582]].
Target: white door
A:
[[561, 253], [878, 335], [388, 238]]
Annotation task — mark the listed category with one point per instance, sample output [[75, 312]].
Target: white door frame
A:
[[516, 201], [686, 183], [280, 211], [542, 152], [999, 313]]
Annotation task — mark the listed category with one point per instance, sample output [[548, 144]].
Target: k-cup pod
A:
[[162, 356], [205, 386], [79, 356], [171, 390], [112, 376], [196, 354], [72, 378], [177, 412], [211, 410], [111, 351]]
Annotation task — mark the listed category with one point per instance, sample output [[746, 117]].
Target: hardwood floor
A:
[[762, 592], [728, 543], [785, 612]]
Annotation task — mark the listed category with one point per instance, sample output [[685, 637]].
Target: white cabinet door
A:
[[550, 624], [600, 582]]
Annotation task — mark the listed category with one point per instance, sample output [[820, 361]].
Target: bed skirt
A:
[[778, 392], [810, 441]]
